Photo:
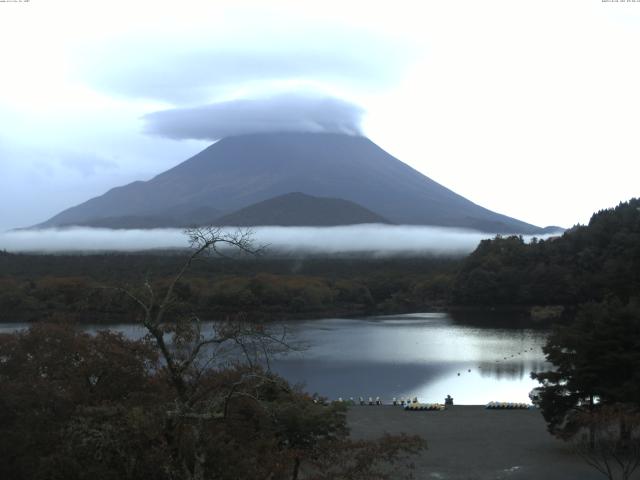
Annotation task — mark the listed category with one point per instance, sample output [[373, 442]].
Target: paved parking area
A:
[[473, 443]]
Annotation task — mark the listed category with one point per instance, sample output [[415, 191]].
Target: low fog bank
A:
[[382, 239]]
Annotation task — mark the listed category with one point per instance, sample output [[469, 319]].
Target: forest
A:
[[587, 263], [35, 287]]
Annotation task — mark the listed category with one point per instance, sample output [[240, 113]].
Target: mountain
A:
[[301, 210], [238, 171], [552, 229], [177, 217]]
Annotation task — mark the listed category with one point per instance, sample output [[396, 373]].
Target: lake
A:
[[428, 355]]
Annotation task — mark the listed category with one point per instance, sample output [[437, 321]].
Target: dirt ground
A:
[[473, 443]]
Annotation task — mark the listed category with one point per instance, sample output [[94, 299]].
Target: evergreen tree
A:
[[596, 362]]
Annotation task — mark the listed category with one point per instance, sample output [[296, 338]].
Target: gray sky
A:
[[527, 108]]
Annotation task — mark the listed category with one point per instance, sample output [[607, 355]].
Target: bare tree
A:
[[210, 397], [190, 348]]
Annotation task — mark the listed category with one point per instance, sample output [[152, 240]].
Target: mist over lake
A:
[[383, 239]]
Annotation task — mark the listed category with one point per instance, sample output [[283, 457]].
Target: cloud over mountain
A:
[[287, 112]]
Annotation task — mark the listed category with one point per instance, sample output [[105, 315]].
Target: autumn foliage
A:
[[81, 406]]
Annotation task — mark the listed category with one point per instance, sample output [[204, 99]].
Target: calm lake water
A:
[[428, 355]]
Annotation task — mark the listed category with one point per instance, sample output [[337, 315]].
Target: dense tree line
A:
[[117, 266], [587, 263], [37, 287]]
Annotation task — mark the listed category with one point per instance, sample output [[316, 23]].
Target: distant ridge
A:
[[239, 171], [172, 218], [299, 209]]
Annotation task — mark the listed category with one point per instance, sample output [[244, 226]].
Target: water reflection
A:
[[428, 355], [511, 370]]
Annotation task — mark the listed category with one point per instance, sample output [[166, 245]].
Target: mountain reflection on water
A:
[[428, 355]]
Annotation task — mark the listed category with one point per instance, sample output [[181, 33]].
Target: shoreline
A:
[[514, 316]]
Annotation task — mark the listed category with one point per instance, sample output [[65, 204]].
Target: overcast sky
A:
[[529, 108]]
